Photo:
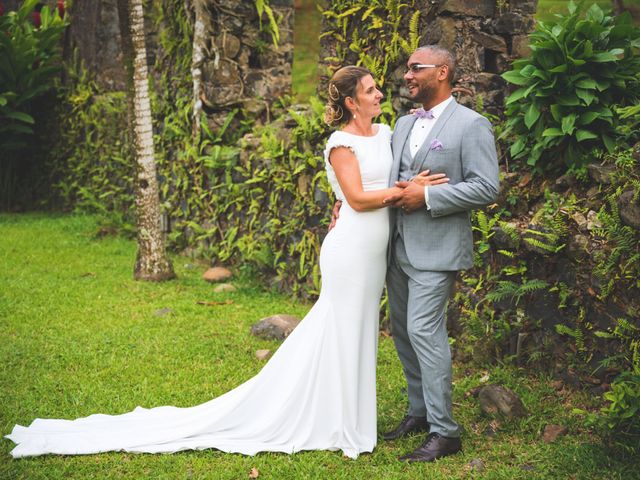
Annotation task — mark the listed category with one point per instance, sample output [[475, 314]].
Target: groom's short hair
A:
[[445, 57]]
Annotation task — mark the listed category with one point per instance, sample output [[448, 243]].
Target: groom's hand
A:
[[411, 197], [335, 214], [394, 199]]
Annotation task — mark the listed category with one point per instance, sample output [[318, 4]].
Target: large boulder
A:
[[496, 399], [476, 8], [552, 432], [629, 209], [217, 274], [601, 173], [276, 327]]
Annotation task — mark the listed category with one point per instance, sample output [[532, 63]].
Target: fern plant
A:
[[544, 241], [627, 336], [354, 22], [263, 7], [507, 289], [576, 334], [620, 262]]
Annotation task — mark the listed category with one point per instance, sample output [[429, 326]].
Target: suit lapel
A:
[[423, 152], [400, 138]]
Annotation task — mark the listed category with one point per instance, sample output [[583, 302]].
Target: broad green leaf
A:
[[582, 135], [531, 116], [588, 48], [587, 83], [603, 57], [515, 78], [25, 10], [556, 30], [608, 143], [605, 112], [552, 132], [576, 61], [517, 147], [559, 69], [569, 100], [528, 71], [515, 96], [530, 89], [542, 75], [595, 13], [585, 95], [556, 112], [568, 123], [587, 118], [23, 117]]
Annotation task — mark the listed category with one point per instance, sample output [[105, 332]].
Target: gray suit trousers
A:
[[417, 303]]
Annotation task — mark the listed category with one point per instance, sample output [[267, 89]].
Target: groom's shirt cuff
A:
[[426, 198]]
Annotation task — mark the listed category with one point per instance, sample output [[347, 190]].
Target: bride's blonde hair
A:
[[343, 84]]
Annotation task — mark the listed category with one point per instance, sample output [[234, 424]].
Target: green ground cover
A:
[[79, 336]]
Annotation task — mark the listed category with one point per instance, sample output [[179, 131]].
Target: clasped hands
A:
[[407, 195], [410, 194]]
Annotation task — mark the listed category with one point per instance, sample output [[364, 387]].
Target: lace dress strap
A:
[[336, 140]]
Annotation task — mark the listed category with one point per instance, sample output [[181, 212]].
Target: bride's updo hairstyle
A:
[[343, 84]]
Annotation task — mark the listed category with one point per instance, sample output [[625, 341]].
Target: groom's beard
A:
[[423, 95]]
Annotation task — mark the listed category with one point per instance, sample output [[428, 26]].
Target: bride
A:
[[318, 391]]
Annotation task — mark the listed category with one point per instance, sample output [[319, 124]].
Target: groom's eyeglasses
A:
[[416, 67]]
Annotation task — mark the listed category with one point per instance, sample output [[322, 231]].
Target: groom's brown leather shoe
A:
[[408, 425], [436, 446]]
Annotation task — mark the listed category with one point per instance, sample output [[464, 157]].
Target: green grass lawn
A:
[[79, 336]]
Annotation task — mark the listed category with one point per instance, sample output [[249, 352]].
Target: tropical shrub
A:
[[579, 69], [29, 61], [621, 415], [618, 420]]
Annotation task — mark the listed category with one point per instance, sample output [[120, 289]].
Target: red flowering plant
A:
[[29, 62]]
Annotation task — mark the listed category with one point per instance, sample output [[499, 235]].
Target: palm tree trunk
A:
[[201, 34], [152, 262]]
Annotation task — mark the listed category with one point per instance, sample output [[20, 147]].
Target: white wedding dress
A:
[[317, 392]]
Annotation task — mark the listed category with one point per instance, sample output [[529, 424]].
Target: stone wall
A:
[[242, 67], [245, 69], [485, 35], [485, 38]]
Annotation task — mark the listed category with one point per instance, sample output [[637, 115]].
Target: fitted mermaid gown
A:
[[317, 392]]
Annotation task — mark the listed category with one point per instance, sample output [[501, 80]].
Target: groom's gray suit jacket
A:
[[440, 239]]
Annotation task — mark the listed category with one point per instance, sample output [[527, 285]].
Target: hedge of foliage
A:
[[581, 66]]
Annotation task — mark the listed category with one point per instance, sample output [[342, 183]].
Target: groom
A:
[[431, 240]]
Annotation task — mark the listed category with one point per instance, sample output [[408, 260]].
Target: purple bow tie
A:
[[422, 113]]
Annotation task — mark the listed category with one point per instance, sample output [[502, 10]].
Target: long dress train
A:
[[317, 392]]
